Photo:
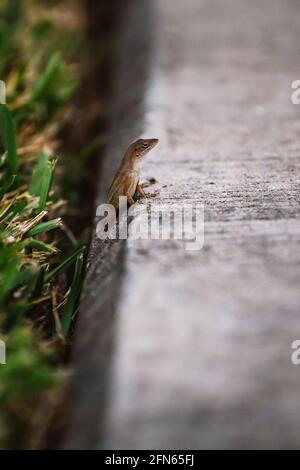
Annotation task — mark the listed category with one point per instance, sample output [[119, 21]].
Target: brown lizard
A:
[[127, 179]]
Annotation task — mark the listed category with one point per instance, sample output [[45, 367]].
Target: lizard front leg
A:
[[140, 190], [130, 199], [130, 185]]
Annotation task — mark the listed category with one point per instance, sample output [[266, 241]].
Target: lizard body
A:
[[127, 179]]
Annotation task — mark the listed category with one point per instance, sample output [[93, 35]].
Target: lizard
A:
[[127, 179]]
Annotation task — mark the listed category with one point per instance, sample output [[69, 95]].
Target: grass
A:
[[40, 265]]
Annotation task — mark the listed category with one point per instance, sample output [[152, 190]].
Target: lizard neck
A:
[[130, 161]]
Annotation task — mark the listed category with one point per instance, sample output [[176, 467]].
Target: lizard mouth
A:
[[153, 142]]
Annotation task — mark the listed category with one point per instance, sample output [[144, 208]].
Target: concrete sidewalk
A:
[[203, 339]]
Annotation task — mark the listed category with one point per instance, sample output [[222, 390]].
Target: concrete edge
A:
[[94, 337]]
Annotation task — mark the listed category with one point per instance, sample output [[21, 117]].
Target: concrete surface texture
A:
[[202, 355], [204, 338]]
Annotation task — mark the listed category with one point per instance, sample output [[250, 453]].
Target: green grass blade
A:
[[45, 185], [67, 314], [9, 138], [40, 246], [7, 185], [44, 83], [44, 227], [65, 264], [35, 184]]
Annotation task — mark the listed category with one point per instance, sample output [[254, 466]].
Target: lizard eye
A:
[[145, 145]]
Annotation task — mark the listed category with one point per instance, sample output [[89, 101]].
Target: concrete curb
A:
[[201, 340], [94, 338]]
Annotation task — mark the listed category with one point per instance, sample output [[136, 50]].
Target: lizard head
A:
[[143, 146]]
